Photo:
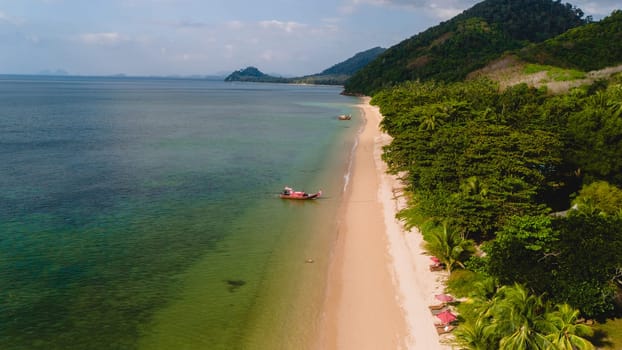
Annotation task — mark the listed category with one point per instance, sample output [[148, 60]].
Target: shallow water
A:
[[143, 213]]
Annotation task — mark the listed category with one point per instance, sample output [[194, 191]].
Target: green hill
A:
[[355, 63], [577, 57], [339, 73], [335, 75], [452, 49], [255, 75], [590, 47]]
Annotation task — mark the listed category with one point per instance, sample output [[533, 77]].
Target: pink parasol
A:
[[444, 297], [446, 317], [435, 259]]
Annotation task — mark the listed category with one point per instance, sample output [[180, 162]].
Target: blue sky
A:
[[199, 37]]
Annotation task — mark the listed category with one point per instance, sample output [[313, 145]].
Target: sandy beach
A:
[[379, 284]]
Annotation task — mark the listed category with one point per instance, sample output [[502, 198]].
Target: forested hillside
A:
[[590, 47], [452, 49], [485, 170]]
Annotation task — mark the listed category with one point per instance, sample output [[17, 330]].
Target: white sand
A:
[[379, 284]]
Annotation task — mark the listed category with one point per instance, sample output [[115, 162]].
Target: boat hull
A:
[[300, 195]]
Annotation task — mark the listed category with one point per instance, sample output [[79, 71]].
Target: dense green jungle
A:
[[516, 189], [518, 193]]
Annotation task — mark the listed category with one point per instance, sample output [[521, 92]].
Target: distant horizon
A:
[[223, 74], [63, 73], [191, 37], [118, 75]]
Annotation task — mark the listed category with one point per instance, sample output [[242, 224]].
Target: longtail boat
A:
[[289, 193]]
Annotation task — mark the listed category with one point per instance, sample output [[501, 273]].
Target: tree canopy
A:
[[589, 47], [496, 165]]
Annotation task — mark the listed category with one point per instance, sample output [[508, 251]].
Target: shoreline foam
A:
[[379, 285]]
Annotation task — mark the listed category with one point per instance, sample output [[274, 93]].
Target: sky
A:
[[212, 37]]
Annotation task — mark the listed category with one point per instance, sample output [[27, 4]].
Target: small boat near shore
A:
[[345, 117], [289, 193]]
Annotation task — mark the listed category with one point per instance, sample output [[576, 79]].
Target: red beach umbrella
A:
[[435, 260], [446, 317], [444, 297]]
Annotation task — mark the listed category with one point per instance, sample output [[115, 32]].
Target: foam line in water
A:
[[346, 176]]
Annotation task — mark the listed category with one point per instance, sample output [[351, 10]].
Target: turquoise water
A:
[[143, 213]]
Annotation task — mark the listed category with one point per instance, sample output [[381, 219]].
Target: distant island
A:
[[253, 74], [335, 75]]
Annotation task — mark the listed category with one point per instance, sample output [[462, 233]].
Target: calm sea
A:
[[143, 213]]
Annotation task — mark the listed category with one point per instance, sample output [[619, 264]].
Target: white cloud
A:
[[331, 20], [347, 9], [235, 25], [441, 9], [5, 18], [268, 55], [106, 39], [444, 12], [288, 27], [417, 3], [189, 24], [351, 5], [33, 39], [446, 9], [600, 8]]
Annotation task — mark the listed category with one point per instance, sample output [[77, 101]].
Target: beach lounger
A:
[[444, 329], [437, 306], [438, 267], [443, 325]]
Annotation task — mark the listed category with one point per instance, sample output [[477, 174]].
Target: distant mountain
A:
[[479, 35], [339, 73], [255, 75], [355, 63], [335, 75]]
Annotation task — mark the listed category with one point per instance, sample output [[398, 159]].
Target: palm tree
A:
[[434, 115], [565, 332], [523, 338], [429, 122], [484, 289], [599, 100], [448, 246], [475, 334], [473, 186], [518, 317]]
